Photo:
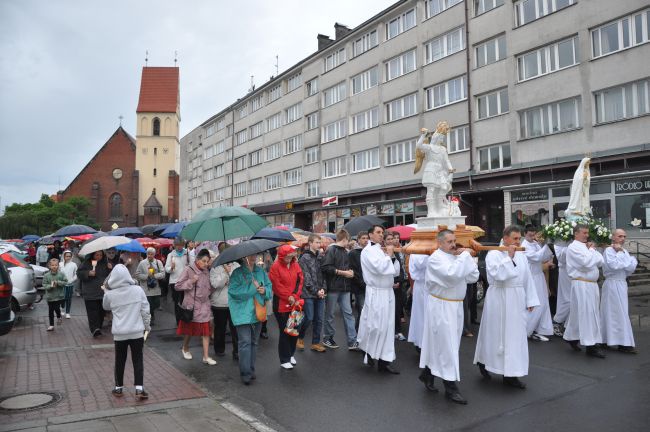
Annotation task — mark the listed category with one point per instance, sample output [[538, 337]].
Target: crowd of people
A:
[[375, 287]]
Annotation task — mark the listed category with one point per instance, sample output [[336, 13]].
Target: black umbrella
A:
[[160, 228], [148, 230], [244, 249], [127, 232], [274, 234], [362, 223], [74, 230], [47, 240]]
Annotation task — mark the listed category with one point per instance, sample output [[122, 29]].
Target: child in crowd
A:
[[54, 283], [69, 269]]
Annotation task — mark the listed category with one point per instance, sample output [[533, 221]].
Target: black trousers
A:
[[177, 297], [95, 312], [121, 351], [286, 343], [52, 308], [399, 308], [221, 319]]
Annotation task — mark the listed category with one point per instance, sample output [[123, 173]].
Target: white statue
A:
[[438, 172], [579, 206]]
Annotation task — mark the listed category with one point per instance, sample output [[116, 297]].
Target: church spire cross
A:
[[146, 58], [120, 117], [175, 58]]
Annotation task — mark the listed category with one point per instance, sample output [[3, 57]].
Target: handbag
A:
[[183, 314], [260, 310], [296, 317]]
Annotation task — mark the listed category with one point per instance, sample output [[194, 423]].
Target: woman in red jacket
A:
[[286, 277]]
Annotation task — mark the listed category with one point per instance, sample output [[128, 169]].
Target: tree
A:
[[44, 217]]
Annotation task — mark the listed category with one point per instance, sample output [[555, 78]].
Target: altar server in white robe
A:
[[539, 323], [449, 270], [502, 345], [376, 334], [615, 324], [582, 262], [563, 306], [417, 267]]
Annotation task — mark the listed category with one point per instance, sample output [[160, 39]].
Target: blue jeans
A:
[[359, 300], [67, 297], [343, 300], [313, 308], [248, 337]]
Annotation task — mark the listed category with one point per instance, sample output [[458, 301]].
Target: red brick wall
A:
[[118, 152]]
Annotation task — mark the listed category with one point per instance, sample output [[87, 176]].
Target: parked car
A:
[[39, 272], [22, 278], [7, 316]]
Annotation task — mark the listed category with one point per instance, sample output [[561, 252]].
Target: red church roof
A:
[[158, 90]]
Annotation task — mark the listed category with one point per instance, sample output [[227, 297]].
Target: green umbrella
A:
[[223, 223]]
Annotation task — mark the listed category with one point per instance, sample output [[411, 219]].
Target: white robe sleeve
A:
[[532, 299], [375, 261], [585, 259], [417, 266], [538, 256], [447, 271], [631, 265], [499, 266], [619, 260]]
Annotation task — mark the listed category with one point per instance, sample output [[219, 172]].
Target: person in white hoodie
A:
[[131, 317], [69, 269]]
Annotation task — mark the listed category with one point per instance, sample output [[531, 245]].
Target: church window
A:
[[155, 172], [155, 151], [156, 126], [115, 203]]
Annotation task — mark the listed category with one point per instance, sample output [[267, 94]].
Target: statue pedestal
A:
[[432, 223], [424, 241]]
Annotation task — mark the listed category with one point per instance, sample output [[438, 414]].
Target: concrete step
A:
[[638, 282]]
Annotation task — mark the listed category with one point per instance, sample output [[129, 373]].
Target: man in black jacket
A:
[[358, 284], [338, 275], [313, 292]]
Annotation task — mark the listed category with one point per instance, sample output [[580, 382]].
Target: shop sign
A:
[[371, 210], [330, 201], [388, 209], [529, 195], [343, 213], [405, 207], [288, 205], [632, 185]]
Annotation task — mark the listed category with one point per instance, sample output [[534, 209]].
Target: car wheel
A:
[[14, 305], [480, 290]]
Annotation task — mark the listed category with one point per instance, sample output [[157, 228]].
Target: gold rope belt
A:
[[584, 280], [445, 299]]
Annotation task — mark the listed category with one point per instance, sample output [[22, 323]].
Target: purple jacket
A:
[[203, 289]]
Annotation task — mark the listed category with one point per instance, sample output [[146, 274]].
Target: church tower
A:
[[157, 144]]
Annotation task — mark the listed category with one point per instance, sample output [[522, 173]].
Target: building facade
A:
[[529, 86]]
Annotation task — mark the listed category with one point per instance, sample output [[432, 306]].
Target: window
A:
[[221, 123], [334, 131], [293, 113], [220, 194], [243, 111], [334, 94], [240, 189], [335, 59], [458, 139], [220, 147], [335, 167], [115, 203], [446, 93], [255, 158], [364, 43], [482, 6], [229, 179], [551, 118], [241, 137], [365, 80], [273, 151], [229, 155], [548, 59], [531, 10], [294, 81], [156, 126], [293, 144], [623, 102], [293, 177], [491, 51], [229, 129], [273, 181], [434, 7], [365, 160], [402, 107], [256, 130], [400, 65], [400, 152], [256, 103], [275, 93], [312, 121], [210, 130], [444, 45], [400, 24], [208, 175], [218, 170], [273, 122], [492, 104], [155, 171], [312, 87], [494, 157], [312, 189], [621, 34], [365, 120], [311, 155], [209, 152], [255, 186], [240, 163]]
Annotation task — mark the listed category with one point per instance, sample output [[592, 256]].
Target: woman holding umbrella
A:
[[195, 282], [93, 271]]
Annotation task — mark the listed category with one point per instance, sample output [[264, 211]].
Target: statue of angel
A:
[[437, 173]]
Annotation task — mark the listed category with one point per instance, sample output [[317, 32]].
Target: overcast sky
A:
[[69, 68]]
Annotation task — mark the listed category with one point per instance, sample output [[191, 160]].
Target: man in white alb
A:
[[417, 267], [502, 345], [539, 324], [449, 270]]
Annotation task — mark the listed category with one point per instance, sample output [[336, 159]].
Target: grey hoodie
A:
[[128, 303]]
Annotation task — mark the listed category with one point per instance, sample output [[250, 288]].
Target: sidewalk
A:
[[69, 363]]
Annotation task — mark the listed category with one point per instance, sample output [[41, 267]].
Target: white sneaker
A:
[[539, 337], [293, 361], [400, 337], [286, 366], [67, 316], [209, 361], [186, 354], [51, 328]]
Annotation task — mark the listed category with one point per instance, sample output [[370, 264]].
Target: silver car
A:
[[24, 293]]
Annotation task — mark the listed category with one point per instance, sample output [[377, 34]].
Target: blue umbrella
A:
[[47, 240], [160, 228], [74, 230], [31, 237], [274, 234], [128, 231], [173, 230], [132, 246]]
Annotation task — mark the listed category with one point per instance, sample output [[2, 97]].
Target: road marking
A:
[[248, 418]]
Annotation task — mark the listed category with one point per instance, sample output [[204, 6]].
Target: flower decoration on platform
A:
[[563, 230]]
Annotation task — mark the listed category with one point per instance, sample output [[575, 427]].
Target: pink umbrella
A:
[[404, 231]]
